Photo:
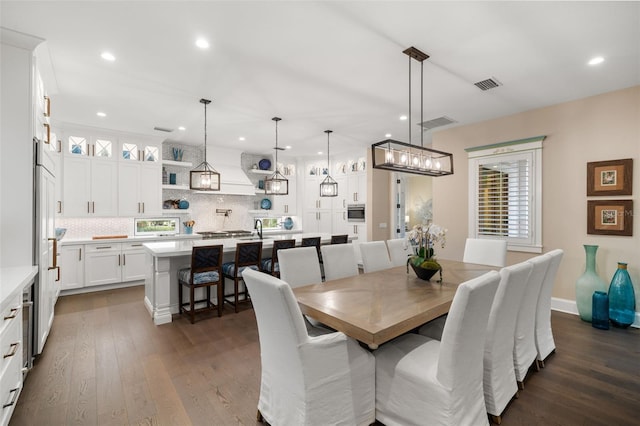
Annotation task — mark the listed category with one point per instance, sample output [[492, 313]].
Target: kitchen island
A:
[[165, 258]]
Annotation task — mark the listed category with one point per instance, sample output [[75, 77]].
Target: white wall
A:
[[603, 127]]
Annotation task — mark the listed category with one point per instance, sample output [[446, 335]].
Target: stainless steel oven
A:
[[355, 213]]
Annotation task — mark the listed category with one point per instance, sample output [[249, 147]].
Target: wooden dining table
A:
[[376, 307]]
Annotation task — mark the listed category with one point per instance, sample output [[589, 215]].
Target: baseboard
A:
[[570, 307], [104, 287]]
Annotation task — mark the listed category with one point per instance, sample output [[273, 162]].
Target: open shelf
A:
[[177, 163], [179, 187], [260, 172]]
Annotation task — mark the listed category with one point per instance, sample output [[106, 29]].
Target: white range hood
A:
[[233, 180]]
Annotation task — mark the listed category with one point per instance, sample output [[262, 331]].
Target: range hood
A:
[[233, 180]]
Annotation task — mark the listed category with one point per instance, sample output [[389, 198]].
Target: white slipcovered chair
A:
[[485, 252], [544, 336], [499, 376], [306, 380], [375, 256], [524, 345], [423, 381], [339, 261], [300, 266], [399, 251]]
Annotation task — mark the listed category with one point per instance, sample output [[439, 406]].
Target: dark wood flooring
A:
[[106, 363]]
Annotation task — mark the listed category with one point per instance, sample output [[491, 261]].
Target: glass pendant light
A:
[[204, 177], [276, 184], [406, 157], [328, 187]]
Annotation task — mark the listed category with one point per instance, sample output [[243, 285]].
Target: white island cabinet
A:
[[110, 263]]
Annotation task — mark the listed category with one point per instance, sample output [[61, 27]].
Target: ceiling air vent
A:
[[487, 84], [436, 122], [163, 129]]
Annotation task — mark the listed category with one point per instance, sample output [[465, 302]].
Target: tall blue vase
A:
[[622, 299], [587, 284]]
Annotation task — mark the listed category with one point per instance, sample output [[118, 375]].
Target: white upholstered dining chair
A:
[[423, 381], [524, 345], [485, 252], [300, 266], [306, 380], [399, 251], [544, 336], [499, 375], [339, 261], [375, 256]]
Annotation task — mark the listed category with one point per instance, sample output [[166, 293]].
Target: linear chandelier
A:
[[406, 157], [204, 177], [328, 187], [276, 184]]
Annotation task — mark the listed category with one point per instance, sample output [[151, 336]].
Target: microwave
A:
[[355, 213]]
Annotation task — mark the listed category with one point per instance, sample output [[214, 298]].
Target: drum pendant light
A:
[[204, 177], [328, 187], [405, 157], [276, 184]]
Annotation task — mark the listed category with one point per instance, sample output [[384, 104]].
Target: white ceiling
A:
[[321, 65]]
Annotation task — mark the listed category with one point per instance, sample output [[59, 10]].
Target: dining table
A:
[[377, 307]]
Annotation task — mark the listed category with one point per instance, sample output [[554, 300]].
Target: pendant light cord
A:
[[409, 101], [205, 132]]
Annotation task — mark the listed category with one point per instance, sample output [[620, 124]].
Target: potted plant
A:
[[423, 239]]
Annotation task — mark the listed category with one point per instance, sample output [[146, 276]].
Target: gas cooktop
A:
[[207, 235]]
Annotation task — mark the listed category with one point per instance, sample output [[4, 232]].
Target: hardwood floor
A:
[[106, 363]]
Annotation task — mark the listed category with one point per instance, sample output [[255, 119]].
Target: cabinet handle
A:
[[88, 206], [344, 203], [79, 254], [103, 247], [286, 208], [124, 259], [143, 207], [118, 260], [14, 399], [55, 253], [47, 106], [14, 349], [93, 207], [12, 314], [59, 206], [136, 245], [47, 133], [344, 215], [59, 146]]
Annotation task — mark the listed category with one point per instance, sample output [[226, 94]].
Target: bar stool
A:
[[339, 239], [204, 272], [270, 265], [248, 255]]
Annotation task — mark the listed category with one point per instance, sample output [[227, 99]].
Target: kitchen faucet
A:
[[255, 226]]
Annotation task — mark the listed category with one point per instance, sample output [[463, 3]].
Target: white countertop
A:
[[14, 278], [89, 240], [184, 247]]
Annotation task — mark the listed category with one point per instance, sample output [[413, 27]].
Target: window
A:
[[505, 196]]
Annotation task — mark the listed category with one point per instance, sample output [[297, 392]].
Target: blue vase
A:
[[600, 317], [587, 284], [622, 299]]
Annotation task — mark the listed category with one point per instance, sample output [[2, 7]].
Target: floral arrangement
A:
[[423, 238]]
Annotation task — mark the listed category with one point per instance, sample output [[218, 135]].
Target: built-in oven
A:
[[355, 213]]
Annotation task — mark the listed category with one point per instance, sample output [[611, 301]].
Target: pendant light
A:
[[328, 187], [276, 184], [204, 177], [408, 158]]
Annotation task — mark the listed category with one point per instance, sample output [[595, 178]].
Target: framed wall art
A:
[[612, 177], [610, 217]]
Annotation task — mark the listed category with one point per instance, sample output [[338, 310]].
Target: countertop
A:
[[14, 278], [184, 247], [89, 240]]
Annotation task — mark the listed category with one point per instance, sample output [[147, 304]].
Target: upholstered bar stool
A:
[[248, 255], [204, 272], [270, 265]]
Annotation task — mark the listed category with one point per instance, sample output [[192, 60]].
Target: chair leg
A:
[[521, 385], [235, 288], [259, 417], [540, 364], [191, 304], [220, 296], [495, 419], [180, 298]]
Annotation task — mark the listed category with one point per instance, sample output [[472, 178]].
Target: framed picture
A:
[[610, 217], [610, 177]]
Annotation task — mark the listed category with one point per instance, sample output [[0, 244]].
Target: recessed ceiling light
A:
[[287, 147], [108, 56], [182, 128], [202, 43], [319, 152], [403, 117], [597, 60], [241, 138], [387, 135], [101, 114]]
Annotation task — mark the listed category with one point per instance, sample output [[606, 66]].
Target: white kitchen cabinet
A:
[[317, 221], [11, 348], [89, 187], [339, 224], [286, 204], [340, 201], [139, 189], [357, 188], [71, 262], [114, 263]]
